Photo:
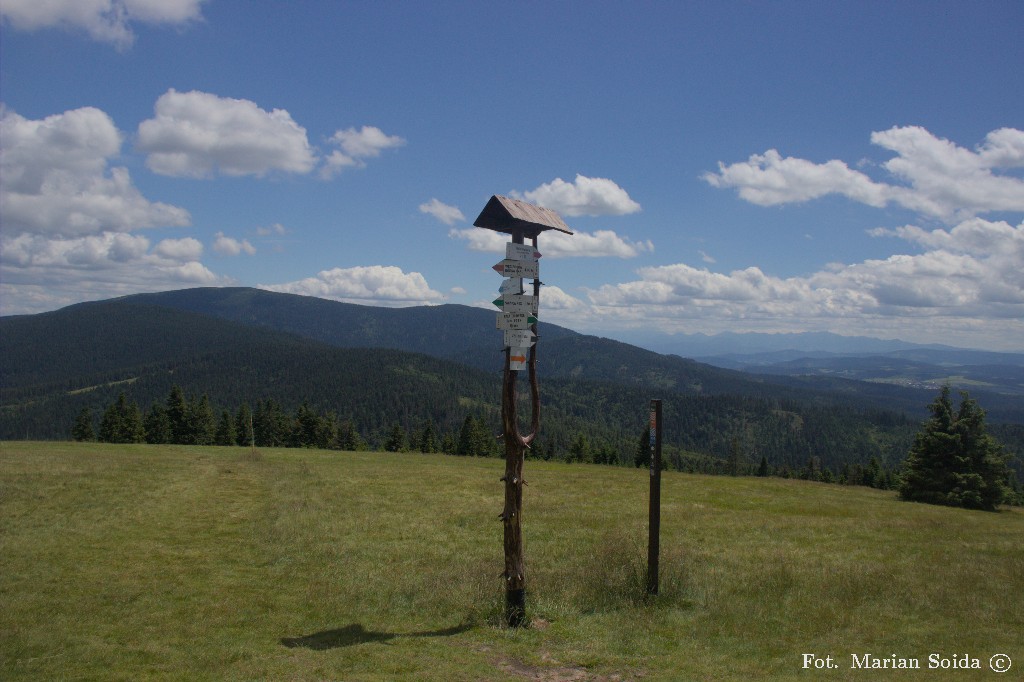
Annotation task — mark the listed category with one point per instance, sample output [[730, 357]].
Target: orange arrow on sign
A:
[[517, 358]]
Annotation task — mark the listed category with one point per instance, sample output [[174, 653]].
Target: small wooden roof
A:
[[503, 214]]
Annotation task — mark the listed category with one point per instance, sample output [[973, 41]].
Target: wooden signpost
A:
[[518, 319], [654, 508]]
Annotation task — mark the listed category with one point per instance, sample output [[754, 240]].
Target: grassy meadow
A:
[[131, 562]]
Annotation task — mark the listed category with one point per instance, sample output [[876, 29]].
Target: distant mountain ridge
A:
[[730, 344], [382, 365]]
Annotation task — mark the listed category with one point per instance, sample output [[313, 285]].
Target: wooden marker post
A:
[[654, 510], [520, 220]]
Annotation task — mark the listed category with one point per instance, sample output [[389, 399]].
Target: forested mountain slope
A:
[[231, 345]]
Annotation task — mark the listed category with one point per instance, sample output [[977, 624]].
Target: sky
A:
[[850, 167]]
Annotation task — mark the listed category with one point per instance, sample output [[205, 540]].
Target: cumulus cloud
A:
[[42, 272], [601, 243], [195, 134], [229, 246], [104, 20], [374, 284], [56, 178], [449, 215], [355, 146], [934, 176], [970, 275], [584, 196]]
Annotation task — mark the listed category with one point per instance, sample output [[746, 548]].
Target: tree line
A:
[[182, 420], [953, 461]]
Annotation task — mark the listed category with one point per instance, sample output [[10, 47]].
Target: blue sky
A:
[[746, 167]]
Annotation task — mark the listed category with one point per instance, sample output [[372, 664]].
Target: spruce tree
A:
[[177, 415], [202, 422], [243, 426], [396, 439], [157, 425], [226, 434], [82, 429], [953, 460]]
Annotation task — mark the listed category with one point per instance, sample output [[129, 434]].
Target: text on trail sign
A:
[[520, 338], [524, 252], [518, 268], [517, 304], [515, 320]]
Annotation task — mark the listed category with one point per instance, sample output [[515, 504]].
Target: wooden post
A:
[[518, 219], [515, 451], [654, 510]]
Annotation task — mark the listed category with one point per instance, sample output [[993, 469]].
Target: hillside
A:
[[140, 562], [243, 346]]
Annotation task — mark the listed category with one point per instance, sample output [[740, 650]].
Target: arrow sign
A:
[[512, 285], [517, 268], [517, 359], [517, 304], [523, 252], [519, 338], [515, 320]]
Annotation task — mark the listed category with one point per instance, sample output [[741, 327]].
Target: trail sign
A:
[[512, 285], [517, 358], [517, 304], [523, 252], [520, 338], [522, 221], [515, 320], [518, 268]]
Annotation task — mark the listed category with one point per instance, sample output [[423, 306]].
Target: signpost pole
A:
[[654, 510], [515, 579], [518, 322]]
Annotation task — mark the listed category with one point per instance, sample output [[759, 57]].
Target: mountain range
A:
[[380, 366]]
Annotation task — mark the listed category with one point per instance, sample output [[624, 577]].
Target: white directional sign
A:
[[519, 304], [512, 285], [517, 358], [515, 320], [518, 268], [523, 252], [521, 338]]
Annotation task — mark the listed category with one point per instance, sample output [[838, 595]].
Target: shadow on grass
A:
[[357, 634]]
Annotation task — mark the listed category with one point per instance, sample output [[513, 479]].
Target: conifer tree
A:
[[225, 434], [177, 415], [202, 423], [953, 460], [122, 422], [243, 426], [157, 425], [82, 429], [396, 439]]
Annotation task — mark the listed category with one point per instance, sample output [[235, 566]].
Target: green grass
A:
[[189, 563]]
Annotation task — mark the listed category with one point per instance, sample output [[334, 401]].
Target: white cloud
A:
[[186, 249], [56, 179], [356, 145], [601, 243], [970, 277], [374, 284], [42, 273], [104, 20], [940, 179], [229, 246], [584, 196], [195, 134], [449, 215], [271, 230]]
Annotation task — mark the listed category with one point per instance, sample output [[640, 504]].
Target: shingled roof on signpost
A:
[[503, 214]]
